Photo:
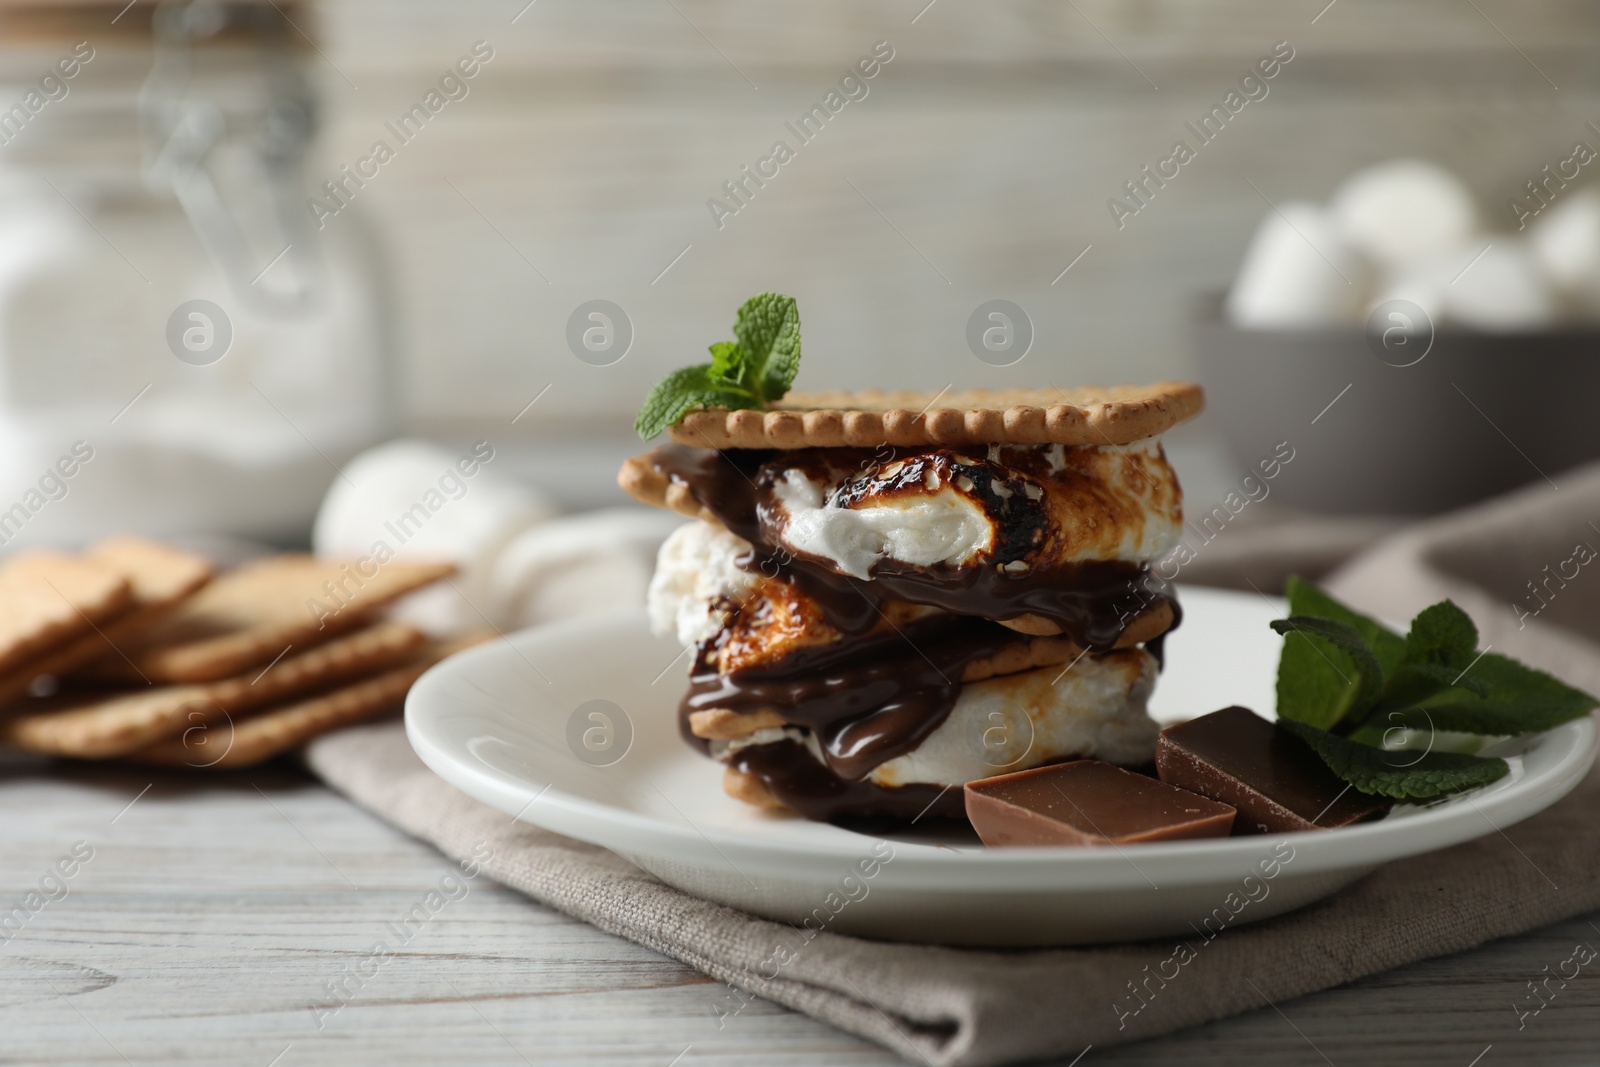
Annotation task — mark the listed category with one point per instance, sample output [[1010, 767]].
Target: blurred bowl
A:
[[1481, 413]]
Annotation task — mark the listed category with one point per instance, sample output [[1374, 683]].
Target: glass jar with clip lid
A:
[[176, 330]]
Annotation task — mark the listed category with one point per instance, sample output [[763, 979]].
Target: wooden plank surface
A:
[[214, 911]]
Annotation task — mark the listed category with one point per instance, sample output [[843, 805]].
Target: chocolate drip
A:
[[867, 701], [1092, 602], [801, 783]]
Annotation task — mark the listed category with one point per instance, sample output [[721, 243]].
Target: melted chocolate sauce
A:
[[803, 784], [867, 701]]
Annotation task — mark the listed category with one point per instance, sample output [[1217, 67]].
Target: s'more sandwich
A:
[[889, 595]]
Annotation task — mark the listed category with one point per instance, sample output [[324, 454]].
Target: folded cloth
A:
[[964, 1006]]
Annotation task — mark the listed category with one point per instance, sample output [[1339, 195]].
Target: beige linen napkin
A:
[[962, 1006]]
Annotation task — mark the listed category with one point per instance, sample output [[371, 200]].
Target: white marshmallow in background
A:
[[1404, 211], [1501, 289], [1565, 240], [1298, 272], [468, 520]]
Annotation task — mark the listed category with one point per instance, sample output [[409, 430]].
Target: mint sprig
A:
[[1345, 679], [750, 372]]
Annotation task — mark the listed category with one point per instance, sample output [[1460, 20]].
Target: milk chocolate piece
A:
[[1088, 803], [1275, 779]]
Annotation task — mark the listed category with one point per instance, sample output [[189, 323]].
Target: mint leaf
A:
[[730, 364], [1414, 683], [768, 328], [1444, 635], [678, 393], [750, 373], [1515, 700], [1401, 774], [1327, 672], [1307, 599]]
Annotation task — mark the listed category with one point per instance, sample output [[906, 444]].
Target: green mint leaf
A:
[[1443, 635], [1418, 683], [730, 364], [1327, 672], [751, 373], [768, 328], [1401, 774], [1314, 682], [681, 391], [1508, 698], [1307, 599], [1410, 694]]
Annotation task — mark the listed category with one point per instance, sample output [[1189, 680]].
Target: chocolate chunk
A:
[[1275, 780], [1088, 803]]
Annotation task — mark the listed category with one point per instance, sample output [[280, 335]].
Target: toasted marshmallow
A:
[[924, 529], [1015, 506], [697, 577], [1094, 710]]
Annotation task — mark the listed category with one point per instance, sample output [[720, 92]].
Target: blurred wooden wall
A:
[[580, 163]]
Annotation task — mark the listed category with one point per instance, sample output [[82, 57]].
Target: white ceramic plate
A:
[[495, 721]]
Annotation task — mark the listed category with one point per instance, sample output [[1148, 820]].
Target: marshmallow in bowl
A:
[[1299, 272], [1565, 240], [1404, 210]]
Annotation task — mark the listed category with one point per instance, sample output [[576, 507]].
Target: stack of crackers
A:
[[136, 650]]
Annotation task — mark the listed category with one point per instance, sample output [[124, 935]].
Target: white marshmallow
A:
[[942, 525], [1565, 240], [695, 569], [1403, 211], [411, 496], [1095, 711], [923, 530], [1298, 272], [1502, 289]]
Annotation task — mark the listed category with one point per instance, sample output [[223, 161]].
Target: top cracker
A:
[[1088, 415]]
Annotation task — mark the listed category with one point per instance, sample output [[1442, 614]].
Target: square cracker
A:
[[159, 578], [50, 599], [100, 726], [258, 737], [1085, 415], [250, 614]]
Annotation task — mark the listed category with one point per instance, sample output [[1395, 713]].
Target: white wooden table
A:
[[215, 910]]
